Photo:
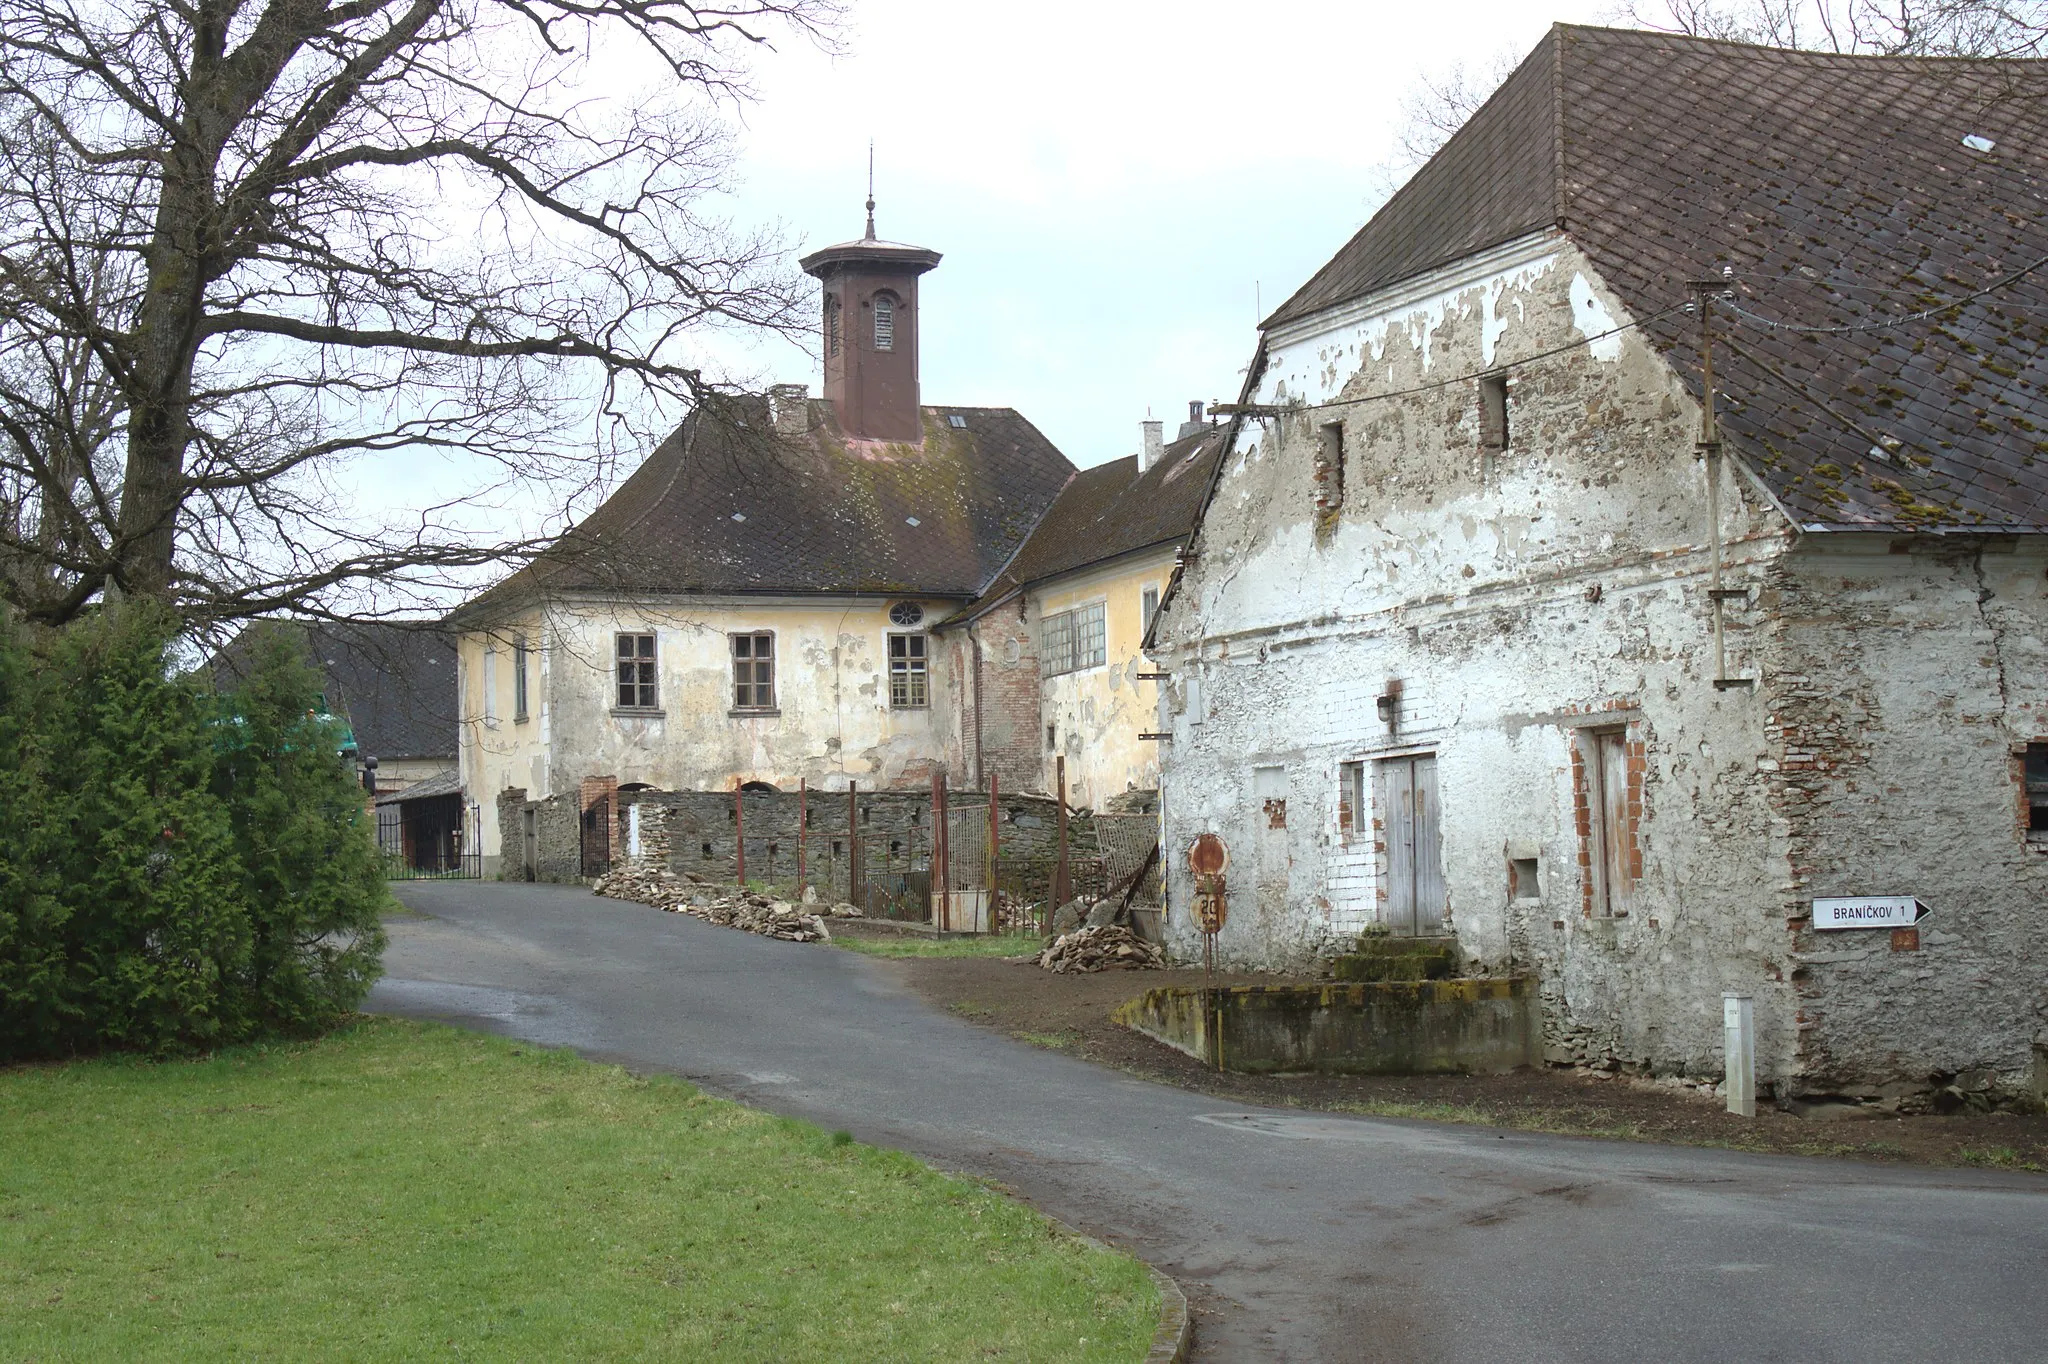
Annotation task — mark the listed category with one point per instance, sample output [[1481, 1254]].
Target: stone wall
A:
[[697, 833]]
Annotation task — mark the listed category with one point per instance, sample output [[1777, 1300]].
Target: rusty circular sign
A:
[[1208, 856]]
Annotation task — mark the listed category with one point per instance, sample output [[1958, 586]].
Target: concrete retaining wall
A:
[[1419, 1027]]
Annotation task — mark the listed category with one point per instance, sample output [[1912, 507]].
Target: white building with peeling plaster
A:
[[1484, 631]]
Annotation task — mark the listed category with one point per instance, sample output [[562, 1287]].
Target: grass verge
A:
[[915, 945], [403, 1191]]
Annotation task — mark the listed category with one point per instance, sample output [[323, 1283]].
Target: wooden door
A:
[[1609, 806], [1415, 870]]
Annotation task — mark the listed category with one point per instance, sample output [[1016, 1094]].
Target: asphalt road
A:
[[1300, 1237]]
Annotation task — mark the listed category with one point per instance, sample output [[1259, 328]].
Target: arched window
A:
[[831, 324], [885, 322]]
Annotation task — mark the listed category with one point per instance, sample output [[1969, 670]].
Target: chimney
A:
[[1194, 422], [790, 405], [1154, 445]]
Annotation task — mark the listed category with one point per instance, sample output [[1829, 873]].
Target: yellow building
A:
[[853, 589]]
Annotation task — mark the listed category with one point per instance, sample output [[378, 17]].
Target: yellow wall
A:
[[1098, 713], [833, 723]]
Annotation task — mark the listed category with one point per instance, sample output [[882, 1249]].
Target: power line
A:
[[1907, 319]]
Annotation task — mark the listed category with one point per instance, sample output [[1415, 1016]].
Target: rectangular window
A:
[[1352, 814], [2037, 790], [885, 323], [636, 690], [1148, 607], [1329, 472], [1056, 644], [519, 677], [1493, 411], [909, 686], [753, 671], [490, 684], [1090, 638]]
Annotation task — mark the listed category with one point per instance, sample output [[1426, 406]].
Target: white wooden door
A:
[[1414, 827]]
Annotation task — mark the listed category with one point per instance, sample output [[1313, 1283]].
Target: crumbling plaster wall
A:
[[1098, 713], [1517, 597], [1905, 680], [833, 722]]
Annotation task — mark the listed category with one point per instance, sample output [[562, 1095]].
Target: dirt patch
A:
[[1071, 1014]]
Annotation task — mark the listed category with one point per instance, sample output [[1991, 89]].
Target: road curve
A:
[[1301, 1237]]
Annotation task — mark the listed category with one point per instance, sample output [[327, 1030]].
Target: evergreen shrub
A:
[[179, 868]]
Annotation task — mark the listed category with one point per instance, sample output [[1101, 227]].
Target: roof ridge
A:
[[1646, 37]]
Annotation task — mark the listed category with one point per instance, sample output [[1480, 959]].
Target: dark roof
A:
[[394, 681], [727, 504], [439, 786], [1838, 192], [1113, 509]]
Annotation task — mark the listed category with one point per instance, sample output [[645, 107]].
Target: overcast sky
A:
[[1116, 187]]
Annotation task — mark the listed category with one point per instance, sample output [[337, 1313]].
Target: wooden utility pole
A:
[[739, 827], [1062, 882]]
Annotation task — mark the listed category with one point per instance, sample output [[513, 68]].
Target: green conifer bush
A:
[[178, 869]]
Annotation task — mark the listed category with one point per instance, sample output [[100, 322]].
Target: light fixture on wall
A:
[[1389, 705]]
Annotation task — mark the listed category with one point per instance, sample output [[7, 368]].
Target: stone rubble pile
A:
[[1106, 948], [727, 906]]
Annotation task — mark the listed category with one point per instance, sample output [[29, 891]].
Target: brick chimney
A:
[[790, 405], [1194, 422], [869, 334]]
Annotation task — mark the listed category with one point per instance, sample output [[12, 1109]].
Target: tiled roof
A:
[[727, 504], [1830, 191], [1113, 509], [394, 681]]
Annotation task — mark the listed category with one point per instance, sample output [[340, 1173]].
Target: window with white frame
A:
[[753, 671], [909, 678], [1148, 607], [1353, 816], [519, 655], [885, 322], [1070, 641], [490, 684], [636, 673]]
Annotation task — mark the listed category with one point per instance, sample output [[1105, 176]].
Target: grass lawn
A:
[[913, 945], [406, 1191]]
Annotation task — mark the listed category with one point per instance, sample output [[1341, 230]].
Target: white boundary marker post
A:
[[1738, 1025], [633, 830]]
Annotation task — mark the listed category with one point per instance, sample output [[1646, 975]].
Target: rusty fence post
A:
[[995, 835], [1062, 879], [802, 824], [853, 895], [739, 827]]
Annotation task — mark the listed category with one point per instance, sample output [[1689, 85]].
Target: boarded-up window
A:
[[2037, 790], [1610, 798], [636, 673], [909, 685], [1352, 814], [753, 671], [831, 324], [1329, 470]]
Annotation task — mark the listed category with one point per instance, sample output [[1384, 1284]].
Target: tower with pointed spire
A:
[[869, 331]]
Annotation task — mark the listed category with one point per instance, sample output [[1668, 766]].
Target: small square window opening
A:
[[636, 673], [1493, 411], [2037, 790], [1522, 882]]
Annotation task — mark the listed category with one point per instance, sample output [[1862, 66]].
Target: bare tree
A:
[[1891, 28], [1438, 103], [254, 252]]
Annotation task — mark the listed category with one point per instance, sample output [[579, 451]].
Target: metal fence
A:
[[429, 840]]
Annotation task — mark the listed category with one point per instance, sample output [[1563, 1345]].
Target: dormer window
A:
[[885, 322], [831, 324]]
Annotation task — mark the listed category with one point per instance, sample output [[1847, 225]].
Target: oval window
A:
[[906, 613]]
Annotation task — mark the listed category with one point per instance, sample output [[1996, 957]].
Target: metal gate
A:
[[431, 839], [1415, 867]]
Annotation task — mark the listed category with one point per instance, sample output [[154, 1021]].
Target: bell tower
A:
[[869, 333]]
